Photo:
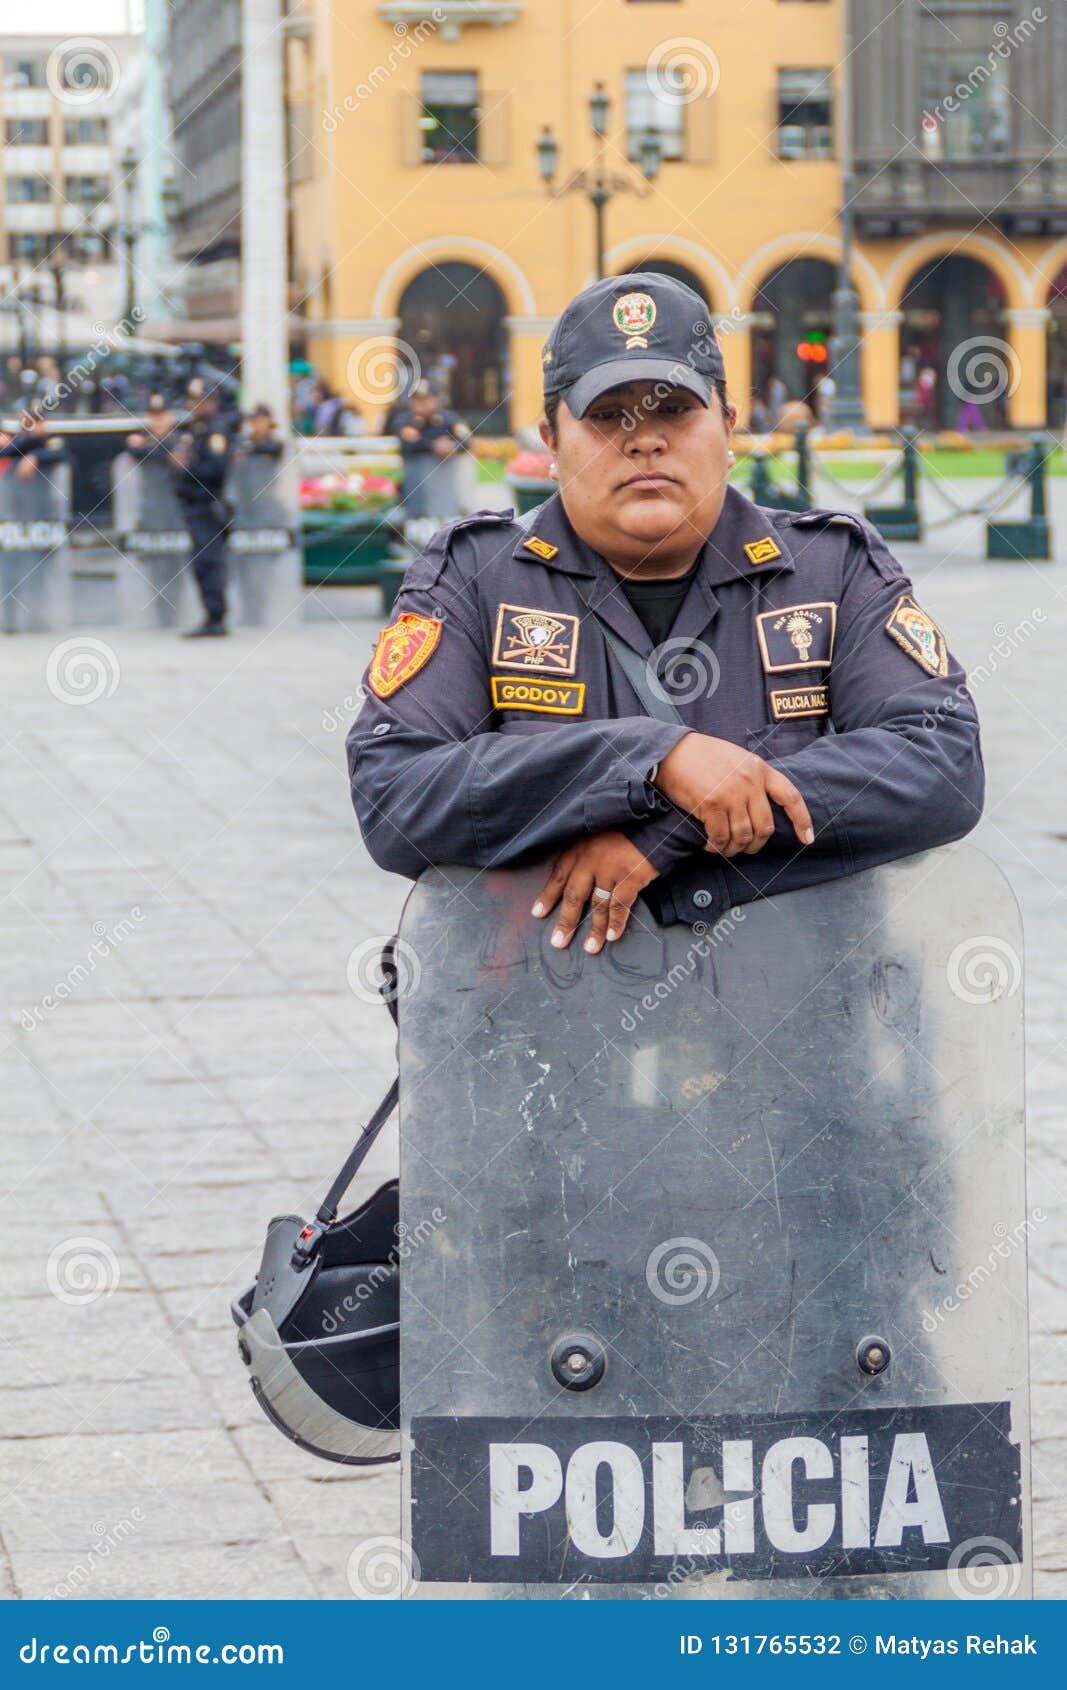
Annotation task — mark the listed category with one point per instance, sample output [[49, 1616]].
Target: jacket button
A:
[[701, 898], [382, 728]]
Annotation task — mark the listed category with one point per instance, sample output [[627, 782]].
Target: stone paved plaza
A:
[[183, 1055]]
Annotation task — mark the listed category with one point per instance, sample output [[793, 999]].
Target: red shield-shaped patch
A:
[[402, 650]]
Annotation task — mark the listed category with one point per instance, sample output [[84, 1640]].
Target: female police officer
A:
[[821, 726]]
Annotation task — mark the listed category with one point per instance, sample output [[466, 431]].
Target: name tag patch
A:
[[545, 640], [800, 636], [553, 698], [805, 701]]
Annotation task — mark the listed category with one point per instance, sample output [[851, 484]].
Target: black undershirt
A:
[[657, 603]]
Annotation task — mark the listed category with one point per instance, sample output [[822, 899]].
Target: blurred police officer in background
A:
[[32, 446], [197, 449], [429, 435], [682, 694]]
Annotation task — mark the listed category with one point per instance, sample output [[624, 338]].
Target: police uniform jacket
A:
[[498, 723], [443, 425], [48, 450]]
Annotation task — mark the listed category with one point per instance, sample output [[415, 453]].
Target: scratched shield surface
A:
[[713, 1272]]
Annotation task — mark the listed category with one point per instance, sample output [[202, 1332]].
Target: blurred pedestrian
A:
[[429, 436]]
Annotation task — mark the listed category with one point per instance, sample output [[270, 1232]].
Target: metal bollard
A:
[[34, 579], [761, 486], [155, 588], [1029, 537], [903, 521], [264, 554]]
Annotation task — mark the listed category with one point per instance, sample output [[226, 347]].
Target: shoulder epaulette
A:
[[827, 519]]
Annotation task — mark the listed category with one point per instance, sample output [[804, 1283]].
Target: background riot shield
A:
[[713, 1259]]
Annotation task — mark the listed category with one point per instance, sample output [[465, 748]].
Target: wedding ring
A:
[[600, 894]]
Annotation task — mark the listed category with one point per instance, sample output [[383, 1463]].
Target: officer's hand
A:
[[409, 433], [730, 792], [443, 447], [608, 861], [182, 453], [136, 440], [27, 468]]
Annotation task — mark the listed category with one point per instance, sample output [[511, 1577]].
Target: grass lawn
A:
[[963, 466]]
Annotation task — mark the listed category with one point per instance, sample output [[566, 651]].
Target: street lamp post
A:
[[596, 182], [128, 230], [848, 402]]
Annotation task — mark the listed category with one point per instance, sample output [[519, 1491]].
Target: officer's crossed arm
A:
[[433, 783], [902, 772]]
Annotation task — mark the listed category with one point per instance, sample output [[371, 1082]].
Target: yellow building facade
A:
[[421, 221]]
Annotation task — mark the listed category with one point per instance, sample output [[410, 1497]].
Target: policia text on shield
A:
[[667, 692]]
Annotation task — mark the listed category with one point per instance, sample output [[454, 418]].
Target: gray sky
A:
[[80, 17]]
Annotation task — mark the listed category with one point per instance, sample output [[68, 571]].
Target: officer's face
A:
[[643, 473]]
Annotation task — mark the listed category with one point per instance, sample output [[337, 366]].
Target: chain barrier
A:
[[852, 489], [995, 501]]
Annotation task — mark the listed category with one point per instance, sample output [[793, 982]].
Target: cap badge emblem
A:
[[633, 315]]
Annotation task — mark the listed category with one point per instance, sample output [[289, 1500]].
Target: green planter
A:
[[344, 547], [526, 493]]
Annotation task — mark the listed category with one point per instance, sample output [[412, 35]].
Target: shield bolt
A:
[[578, 1361], [872, 1356]]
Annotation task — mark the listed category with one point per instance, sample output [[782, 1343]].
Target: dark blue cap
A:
[[639, 327]]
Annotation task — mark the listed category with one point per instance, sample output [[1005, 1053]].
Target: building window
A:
[[450, 114], [26, 132], [22, 71], [28, 190], [32, 248], [85, 131], [85, 190], [805, 114], [656, 101], [966, 108]]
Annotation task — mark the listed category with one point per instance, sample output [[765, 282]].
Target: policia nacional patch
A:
[[918, 635], [804, 701]]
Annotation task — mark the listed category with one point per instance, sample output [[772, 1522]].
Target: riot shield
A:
[[714, 1246], [34, 586], [265, 560], [156, 588]]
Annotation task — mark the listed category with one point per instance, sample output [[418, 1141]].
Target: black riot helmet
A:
[[319, 1330]]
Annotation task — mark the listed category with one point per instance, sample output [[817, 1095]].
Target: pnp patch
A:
[[918, 635], [541, 547], [543, 640], [800, 636], [805, 701], [550, 698], [762, 551]]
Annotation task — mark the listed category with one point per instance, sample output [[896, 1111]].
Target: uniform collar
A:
[[552, 541]]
